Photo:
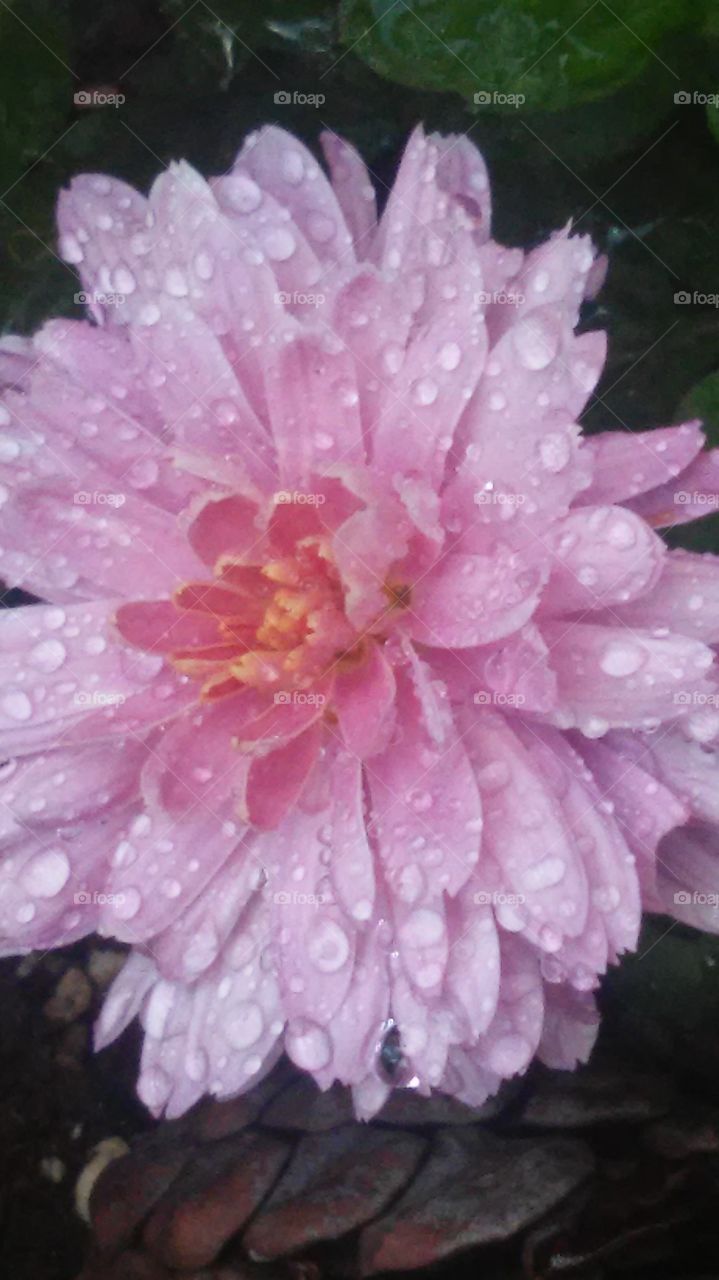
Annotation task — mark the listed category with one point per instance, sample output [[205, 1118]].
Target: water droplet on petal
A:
[[449, 356], [279, 244], [17, 705], [622, 658], [308, 1045], [48, 655], [46, 873], [424, 928], [328, 946], [244, 1025]]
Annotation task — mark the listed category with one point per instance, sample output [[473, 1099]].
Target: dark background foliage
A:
[[617, 129]]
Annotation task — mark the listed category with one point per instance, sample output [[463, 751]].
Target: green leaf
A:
[[36, 84], [703, 402], [713, 118], [663, 1001], [553, 52]]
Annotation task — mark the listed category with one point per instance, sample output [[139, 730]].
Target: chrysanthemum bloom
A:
[[362, 690]]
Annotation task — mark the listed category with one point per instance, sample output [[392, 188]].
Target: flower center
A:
[[281, 625]]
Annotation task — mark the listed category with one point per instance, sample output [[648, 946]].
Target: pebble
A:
[[71, 998]]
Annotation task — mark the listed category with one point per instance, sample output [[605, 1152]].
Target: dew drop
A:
[[244, 1025], [328, 947], [46, 873]]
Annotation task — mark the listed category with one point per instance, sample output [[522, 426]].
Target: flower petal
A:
[[601, 556], [624, 678], [627, 463], [474, 599], [353, 189]]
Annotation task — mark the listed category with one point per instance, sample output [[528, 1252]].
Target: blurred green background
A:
[[603, 113]]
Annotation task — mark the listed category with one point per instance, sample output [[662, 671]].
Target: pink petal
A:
[[70, 543], [556, 273], [526, 835], [517, 673], [160, 865], [426, 811], [285, 169], [124, 998], [627, 463], [462, 174], [474, 599], [99, 220], [100, 361], [16, 360], [644, 809], [195, 939], [511, 1040], [262, 223], [199, 255], [373, 321], [688, 876], [353, 190], [425, 1032], [40, 793], [571, 1023], [691, 771], [364, 702], [352, 865], [685, 599], [693, 494], [225, 525], [473, 972], [189, 827], [158, 627], [512, 673], [609, 866], [275, 781], [314, 372], [365, 548], [440, 370], [358, 1027], [522, 460], [221, 1035], [624, 678], [65, 680], [466, 1080], [601, 556], [314, 938], [53, 884], [197, 391]]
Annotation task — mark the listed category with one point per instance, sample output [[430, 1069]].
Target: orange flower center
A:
[[281, 625]]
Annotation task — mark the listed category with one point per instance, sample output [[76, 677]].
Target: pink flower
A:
[[364, 690]]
